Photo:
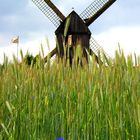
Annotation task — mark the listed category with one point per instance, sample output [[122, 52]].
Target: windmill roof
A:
[[77, 25]]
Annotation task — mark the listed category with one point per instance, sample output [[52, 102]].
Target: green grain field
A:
[[93, 102]]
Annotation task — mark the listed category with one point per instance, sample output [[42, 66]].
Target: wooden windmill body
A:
[[78, 34], [78, 28]]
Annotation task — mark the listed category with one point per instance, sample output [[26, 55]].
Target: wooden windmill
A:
[[78, 31]]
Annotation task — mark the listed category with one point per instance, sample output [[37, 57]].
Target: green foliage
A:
[[77, 103], [30, 60]]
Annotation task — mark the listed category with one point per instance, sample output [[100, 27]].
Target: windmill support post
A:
[[51, 54]]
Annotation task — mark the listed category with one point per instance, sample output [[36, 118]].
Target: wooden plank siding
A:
[[78, 31]]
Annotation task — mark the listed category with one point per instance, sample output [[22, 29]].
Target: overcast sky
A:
[[119, 24]]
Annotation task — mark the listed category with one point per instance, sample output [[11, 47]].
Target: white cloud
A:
[[1, 38], [11, 18], [33, 47], [127, 37], [66, 6]]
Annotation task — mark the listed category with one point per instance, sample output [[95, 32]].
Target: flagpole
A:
[[15, 40], [17, 46]]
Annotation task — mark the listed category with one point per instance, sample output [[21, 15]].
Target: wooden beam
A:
[[51, 54], [99, 12], [55, 9]]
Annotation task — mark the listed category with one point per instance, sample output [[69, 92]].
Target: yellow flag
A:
[[15, 40]]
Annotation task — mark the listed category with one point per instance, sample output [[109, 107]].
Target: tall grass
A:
[[77, 103]]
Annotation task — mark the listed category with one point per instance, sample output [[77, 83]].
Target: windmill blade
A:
[[96, 8], [97, 49], [50, 10], [58, 13]]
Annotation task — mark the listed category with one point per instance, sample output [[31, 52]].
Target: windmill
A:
[[77, 30]]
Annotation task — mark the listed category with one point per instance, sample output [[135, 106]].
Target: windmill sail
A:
[[50, 10], [97, 49], [97, 7]]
